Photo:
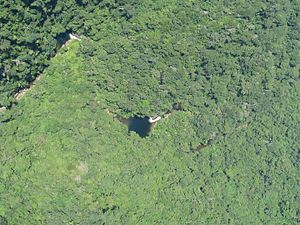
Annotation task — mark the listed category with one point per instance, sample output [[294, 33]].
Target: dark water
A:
[[61, 39], [139, 125]]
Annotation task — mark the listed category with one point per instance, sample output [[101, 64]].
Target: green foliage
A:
[[234, 70], [27, 38]]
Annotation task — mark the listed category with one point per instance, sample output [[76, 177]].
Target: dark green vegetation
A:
[[234, 69], [28, 33]]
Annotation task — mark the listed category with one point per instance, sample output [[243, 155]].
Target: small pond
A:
[[140, 125]]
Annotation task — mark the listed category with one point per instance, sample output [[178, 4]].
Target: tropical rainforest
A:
[[223, 75]]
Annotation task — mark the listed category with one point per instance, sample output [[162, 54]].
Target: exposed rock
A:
[[2, 109], [74, 37], [154, 119]]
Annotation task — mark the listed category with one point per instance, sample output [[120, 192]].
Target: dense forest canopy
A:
[[195, 31], [228, 155]]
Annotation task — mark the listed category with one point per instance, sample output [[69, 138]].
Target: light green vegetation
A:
[[65, 160]]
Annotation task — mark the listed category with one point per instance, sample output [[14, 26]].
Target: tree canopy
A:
[[228, 154]]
